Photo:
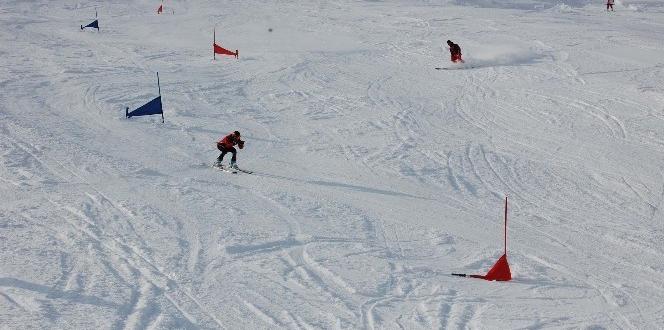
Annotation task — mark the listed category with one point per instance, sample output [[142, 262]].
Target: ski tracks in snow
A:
[[322, 252], [123, 257]]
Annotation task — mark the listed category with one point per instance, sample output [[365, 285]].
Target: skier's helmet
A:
[[237, 133]]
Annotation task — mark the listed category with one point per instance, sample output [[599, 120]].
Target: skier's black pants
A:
[[225, 150]]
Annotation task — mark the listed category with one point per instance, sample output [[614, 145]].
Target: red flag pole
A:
[[505, 224], [501, 269], [214, 42]]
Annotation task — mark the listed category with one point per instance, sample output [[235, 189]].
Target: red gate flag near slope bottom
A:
[[501, 269]]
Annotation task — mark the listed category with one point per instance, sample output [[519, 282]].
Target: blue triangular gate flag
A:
[[94, 25], [151, 108]]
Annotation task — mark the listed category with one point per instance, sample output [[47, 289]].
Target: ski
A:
[[224, 168], [456, 68], [231, 169], [244, 171]]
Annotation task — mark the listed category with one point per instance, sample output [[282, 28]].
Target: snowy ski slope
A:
[[376, 176]]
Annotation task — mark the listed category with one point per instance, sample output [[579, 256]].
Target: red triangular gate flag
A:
[[160, 9], [499, 272], [223, 51], [501, 269]]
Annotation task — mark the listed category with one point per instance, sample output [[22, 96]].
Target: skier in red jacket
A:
[[455, 52], [227, 144]]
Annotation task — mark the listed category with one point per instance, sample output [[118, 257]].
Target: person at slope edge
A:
[[609, 4], [455, 51], [227, 144]]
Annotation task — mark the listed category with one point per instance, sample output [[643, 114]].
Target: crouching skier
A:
[[227, 144], [455, 52]]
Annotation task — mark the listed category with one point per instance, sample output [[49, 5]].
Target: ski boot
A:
[[233, 165]]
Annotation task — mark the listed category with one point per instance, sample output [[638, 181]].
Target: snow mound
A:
[[563, 8], [522, 5], [505, 54], [631, 7]]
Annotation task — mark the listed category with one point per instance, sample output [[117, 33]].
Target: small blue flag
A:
[[94, 25]]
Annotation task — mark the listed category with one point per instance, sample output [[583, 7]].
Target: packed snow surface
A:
[[376, 176]]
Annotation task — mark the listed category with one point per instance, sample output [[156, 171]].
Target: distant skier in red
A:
[[227, 144], [609, 4], [455, 52]]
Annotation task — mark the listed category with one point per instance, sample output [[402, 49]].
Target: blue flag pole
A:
[[159, 89], [153, 107]]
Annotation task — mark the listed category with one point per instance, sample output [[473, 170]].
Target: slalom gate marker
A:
[[151, 108], [501, 269], [216, 49], [93, 25]]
